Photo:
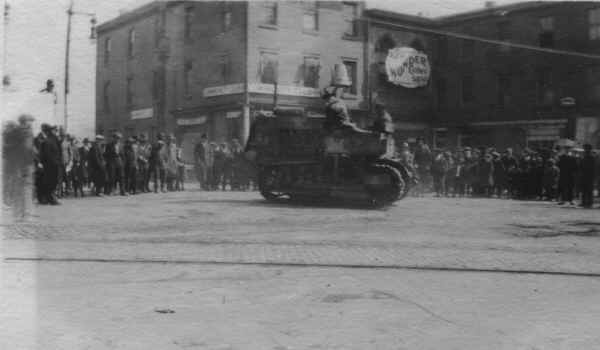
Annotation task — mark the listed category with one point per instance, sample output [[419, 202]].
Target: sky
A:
[[33, 42]]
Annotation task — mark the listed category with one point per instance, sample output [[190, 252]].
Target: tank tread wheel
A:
[[386, 195]]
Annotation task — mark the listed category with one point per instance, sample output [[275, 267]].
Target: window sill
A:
[[351, 37], [268, 26], [310, 32]]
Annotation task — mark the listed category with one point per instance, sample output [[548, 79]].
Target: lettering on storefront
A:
[[290, 90], [233, 114], [223, 90], [142, 113], [407, 67], [192, 121]]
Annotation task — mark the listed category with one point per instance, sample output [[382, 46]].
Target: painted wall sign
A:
[[407, 67], [233, 114], [290, 90], [223, 90], [192, 121], [142, 113]]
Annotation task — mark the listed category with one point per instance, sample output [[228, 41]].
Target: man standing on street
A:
[[566, 183], [158, 163], [114, 165], [51, 160], [144, 149], [588, 169], [97, 165], [200, 165]]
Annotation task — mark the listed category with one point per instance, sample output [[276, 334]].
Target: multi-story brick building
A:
[[206, 67], [517, 75], [542, 85]]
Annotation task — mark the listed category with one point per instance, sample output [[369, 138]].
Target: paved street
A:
[[230, 271]]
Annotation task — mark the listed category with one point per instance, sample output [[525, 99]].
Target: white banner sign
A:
[[290, 90], [192, 121], [233, 114], [407, 67], [223, 90], [142, 113]]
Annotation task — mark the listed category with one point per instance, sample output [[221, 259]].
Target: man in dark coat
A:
[[158, 163], [588, 175], [97, 165], [113, 154], [566, 182], [51, 160], [200, 160]]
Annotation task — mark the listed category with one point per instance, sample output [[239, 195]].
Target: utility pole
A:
[[68, 47], [70, 13]]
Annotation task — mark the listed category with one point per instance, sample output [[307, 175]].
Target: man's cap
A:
[[142, 137], [46, 127], [99, 137], [117, 135], [160, 142], [171, 137], [86, 140], [25, 118]]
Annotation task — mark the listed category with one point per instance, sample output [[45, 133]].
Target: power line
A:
[[481, 39]]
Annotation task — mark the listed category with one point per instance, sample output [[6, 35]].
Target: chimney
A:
[[490, 4]]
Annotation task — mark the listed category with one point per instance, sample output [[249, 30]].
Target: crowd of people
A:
[[560, 174], [56, 165]]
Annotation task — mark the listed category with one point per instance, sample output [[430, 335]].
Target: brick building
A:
[[504, 95], [207, 67]]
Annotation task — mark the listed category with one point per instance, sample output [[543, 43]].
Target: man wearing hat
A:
[[51, 160], [18, 153], [201, 155], [84, 152], [97, 165], [158, 162], [130, 159], [114, 165], [144, 150], [588, 176]]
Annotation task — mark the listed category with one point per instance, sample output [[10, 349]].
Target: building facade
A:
[[520, 75], [538, 87], [194, 68]]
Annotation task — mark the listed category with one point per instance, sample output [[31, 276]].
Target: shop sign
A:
[[142, 113], [407, 67], [233, 114], [290, 90], [192, 121], [223, 90]]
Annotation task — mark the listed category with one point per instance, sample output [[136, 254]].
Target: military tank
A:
[[298, 160]]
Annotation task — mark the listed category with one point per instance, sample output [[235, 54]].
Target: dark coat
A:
[[96, 159], [114, 155], [588, 169], [568, 169]]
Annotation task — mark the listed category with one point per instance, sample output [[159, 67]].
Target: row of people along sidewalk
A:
[[560, 174]]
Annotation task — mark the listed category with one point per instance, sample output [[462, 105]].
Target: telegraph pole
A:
[[68, 47], [70, 14]]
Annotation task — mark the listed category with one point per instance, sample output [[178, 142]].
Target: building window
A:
[[226, 19], [467, 89], [467, 50], [544, 86], [188, 19], [268, 67], [311, 72], [107, 48], [351, 68], [594, 23], [187, 78], [106, 97], [593, 85], [310, 18], [129, 93], [224, 68], [546, 36], [441, 93], [131, 44], [270, 13], [503, 30], [503, 89], [350, 13], [442, 47]]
